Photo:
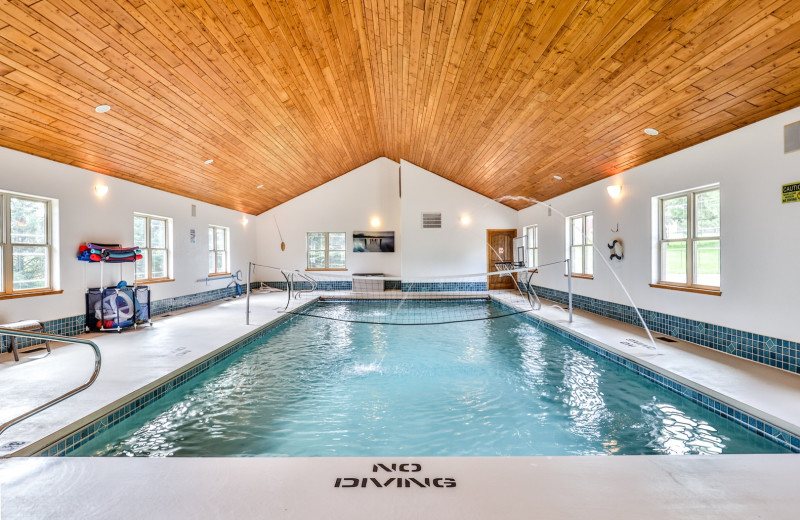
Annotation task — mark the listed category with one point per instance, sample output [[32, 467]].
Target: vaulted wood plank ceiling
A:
[[498, 96]]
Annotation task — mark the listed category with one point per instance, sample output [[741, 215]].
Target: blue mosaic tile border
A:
[[75, 325], [190, 300], [71, 326], [444, 287], [74, 441], [763, 428], [772, 351], [388, 285]]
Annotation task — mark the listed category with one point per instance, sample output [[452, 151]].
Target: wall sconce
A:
[[375, 222], [100, 189], [244, 220], [464, 220], [614, 191]]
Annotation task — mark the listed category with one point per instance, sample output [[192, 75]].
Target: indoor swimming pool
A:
[[490, 387]]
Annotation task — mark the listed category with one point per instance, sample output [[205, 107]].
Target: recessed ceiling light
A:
[[259, 186], [651, 131], [102, 109], [557, 177], [209, 161]]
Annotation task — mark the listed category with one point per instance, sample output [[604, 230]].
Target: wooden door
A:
[[499, 248]]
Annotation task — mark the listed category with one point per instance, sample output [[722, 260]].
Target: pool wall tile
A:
[[772, 351]]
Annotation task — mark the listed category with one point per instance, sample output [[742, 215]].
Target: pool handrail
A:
[[53, 337]]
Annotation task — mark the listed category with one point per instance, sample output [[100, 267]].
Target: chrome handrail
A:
[[54, 337], [290, 283], [309, 279], [536, 304]]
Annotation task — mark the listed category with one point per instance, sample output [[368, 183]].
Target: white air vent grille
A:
[[791, 137], [431, 220]]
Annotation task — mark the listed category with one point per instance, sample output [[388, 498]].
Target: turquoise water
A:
[[318, 387]]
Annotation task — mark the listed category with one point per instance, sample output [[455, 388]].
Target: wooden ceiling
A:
[[497, 96]]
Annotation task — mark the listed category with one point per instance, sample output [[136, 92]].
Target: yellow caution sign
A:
[[790, 192]]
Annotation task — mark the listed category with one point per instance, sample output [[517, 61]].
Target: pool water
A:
[[319, 387]]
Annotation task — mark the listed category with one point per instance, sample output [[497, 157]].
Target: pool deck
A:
[[727, 486]]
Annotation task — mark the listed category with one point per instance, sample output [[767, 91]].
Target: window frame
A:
[[531, 251], [327, 250], [214, 249], [147, 250], [7, 246], [691, 240], [587, 247]]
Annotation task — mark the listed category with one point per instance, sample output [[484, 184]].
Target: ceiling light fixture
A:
[[259, 186], [651, 131], [614, 191], [102, 109], [557, 177], [209, 161]]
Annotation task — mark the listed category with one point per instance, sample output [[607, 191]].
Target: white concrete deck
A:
[[519, 487]]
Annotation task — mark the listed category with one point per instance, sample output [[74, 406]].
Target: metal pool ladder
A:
[[291, 282], [54, 337]]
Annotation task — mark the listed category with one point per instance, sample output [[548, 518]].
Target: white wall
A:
[[347, 203], [84, 217], [760, 246], [456, 248]]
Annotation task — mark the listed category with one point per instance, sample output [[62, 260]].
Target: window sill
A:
[[155, 280], [697, 290], [342, 269], [582, 276], [28, 294], [218, 275]]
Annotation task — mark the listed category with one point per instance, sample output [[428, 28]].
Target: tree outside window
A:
[[218, 250], [26, 244], [326, 250], [580, 237], [689, 238], [531, 234], [152, 235]]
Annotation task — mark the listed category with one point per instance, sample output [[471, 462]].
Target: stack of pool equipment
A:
[[114, 308], [108, 253]]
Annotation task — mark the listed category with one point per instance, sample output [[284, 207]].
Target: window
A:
[[326, 250], [218, 250], [580, 236], [26, 244], [689, 238], [531, 234], [153, 235]]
